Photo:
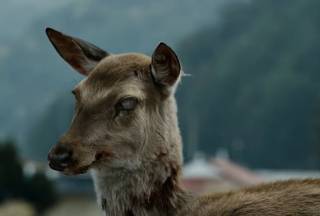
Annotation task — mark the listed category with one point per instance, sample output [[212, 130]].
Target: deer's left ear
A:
[[81, 55], [165, 65]]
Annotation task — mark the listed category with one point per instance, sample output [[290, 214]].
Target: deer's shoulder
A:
[[293, 197]]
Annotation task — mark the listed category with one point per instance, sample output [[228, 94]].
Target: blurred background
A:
[[249, 112]]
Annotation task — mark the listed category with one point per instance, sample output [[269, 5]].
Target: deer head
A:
[[125, 111]]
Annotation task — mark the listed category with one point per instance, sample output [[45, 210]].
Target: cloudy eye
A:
[[127, 104]]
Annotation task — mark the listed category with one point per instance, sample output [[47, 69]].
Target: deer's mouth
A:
[[56, 166], [77, 171], [71, 170], [74, 168]]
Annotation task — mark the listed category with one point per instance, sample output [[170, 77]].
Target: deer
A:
[[125, 132]]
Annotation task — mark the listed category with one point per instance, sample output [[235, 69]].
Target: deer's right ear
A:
[[81, 55], [165, 66]]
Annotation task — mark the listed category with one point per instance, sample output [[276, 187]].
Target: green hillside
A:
[[255, 84]]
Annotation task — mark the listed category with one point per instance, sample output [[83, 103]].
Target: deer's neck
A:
[[140, 192]]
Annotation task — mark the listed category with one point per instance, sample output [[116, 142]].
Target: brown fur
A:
[[289, 198], [135, 154]]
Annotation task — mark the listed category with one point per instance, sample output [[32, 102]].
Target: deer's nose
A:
[[60, 157]]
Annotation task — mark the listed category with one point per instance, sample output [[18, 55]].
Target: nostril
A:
[[61, 155]]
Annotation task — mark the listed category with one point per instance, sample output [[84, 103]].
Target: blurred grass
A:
[[16, 208], [75, 206]]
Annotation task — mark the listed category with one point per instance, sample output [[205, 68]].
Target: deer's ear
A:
[[165, 65], [81, 55]]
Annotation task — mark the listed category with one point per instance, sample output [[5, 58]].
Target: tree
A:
[[36, 189], [11, 175]]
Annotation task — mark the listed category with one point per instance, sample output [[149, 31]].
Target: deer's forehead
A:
[[92, 93], [122, 63], [116, 75], [116, 68]]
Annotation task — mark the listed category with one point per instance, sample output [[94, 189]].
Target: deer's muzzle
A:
[[60, 157]]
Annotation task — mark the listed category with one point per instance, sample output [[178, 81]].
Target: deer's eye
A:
[[127, 104]]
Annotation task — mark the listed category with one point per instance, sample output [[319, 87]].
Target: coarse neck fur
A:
[[142, 192]]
